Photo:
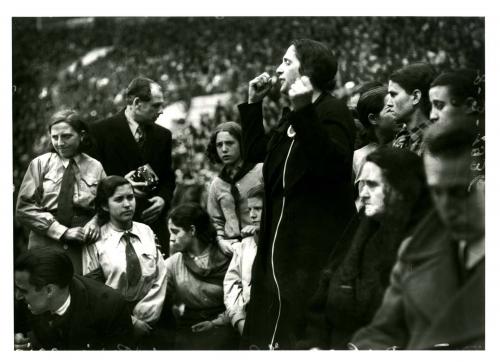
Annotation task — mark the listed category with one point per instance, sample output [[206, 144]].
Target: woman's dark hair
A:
[[404, 172], [73, 118], [105, 189], [233, 128], [416, 76], [317, 62], [370, 102], [191, 214], [46, 265]]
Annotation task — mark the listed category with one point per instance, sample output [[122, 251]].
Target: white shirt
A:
[[108, 253], [133, 125], [63, 308]]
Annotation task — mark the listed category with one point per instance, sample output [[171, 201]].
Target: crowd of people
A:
[[305, 215]]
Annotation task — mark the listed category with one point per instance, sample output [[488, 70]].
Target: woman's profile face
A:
[[65, 140], [228, 148], [181, 238], [289, 70], [121, 206]]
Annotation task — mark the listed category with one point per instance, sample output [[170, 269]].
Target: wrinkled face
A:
[[443, 108], [121, 206], [38, 301], [372, 192], [183, 239], [65, 139], [255, 209], [228, 148], [399, 103], [288, 71], [148, 111], [460, 208]]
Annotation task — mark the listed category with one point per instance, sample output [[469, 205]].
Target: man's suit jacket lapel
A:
[[461, 320], [125, 141], [77, 317], [151, 144], [436, 295]]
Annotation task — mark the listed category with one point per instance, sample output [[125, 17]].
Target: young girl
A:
[[227, 197], [126, 254], [195, 275]]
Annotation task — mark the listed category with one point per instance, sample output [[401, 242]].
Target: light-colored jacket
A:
[[221, 207], [237, 282], [108, 253], [37, 199]]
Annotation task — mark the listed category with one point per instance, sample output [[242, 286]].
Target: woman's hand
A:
[[249, 230], [259, 87], [141, 328], [92, 231], [301, 93], [74, 235], [202, 326], [226, 245]]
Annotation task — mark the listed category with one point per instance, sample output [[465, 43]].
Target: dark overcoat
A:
[[309, 200]]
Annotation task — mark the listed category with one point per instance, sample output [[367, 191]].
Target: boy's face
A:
[[255, 210]]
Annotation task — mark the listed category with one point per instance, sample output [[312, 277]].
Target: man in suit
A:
[[436, 295], [66, 311], [131, 139]]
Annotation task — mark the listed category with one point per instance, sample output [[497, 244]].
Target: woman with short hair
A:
[[56, 197]]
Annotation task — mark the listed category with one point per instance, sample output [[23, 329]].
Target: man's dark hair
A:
[[449, 139], [233, 128], [46, 265], [416, 76], [462, 84], [139, 87], [317, 62], [105, 189]]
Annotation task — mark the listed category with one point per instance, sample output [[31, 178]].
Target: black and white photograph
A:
[[247, 181]]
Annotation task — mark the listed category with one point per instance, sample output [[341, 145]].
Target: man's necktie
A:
[[134, 271], [140, 136], [65, 210]]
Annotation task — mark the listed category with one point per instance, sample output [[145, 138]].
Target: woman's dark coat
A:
[[304, 217]]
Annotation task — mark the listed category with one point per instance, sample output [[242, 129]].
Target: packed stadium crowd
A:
[[326, 203]]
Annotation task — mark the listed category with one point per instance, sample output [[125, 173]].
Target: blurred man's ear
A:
[[136, 101], [471, 105]]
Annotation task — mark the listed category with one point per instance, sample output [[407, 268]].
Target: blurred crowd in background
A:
[[191, 57]]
